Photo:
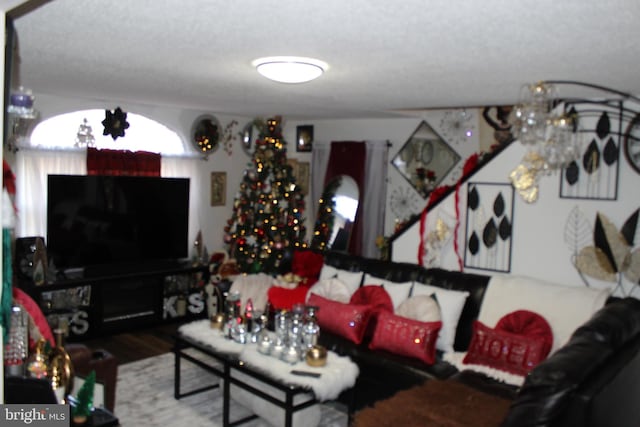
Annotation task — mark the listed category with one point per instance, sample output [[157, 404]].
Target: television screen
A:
[[109, 220]]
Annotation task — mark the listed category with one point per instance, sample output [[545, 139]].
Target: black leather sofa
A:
[[594, 380]]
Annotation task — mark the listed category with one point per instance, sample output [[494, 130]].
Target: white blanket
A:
[[338, 374], [564, 307]]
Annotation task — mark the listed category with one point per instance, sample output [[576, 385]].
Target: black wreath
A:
[[115, 123]]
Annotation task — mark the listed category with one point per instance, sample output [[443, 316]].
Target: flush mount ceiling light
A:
[[290, 69]]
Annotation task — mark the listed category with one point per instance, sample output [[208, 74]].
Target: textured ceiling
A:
[[384, 56]]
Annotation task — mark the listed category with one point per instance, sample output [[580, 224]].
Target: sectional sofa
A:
[[590, 376]]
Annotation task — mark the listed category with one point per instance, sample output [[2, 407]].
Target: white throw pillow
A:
[[333, 289], [451, 304], [398, 291], [422, 308], [353, 279], [327, 272]]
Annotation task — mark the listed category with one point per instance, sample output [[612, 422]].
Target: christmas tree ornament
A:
[[37, 360]]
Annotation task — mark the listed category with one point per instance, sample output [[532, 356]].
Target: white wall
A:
[[539, 249], [397, 131]]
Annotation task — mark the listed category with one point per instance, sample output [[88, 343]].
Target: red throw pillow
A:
[[285, 299], [527, 323], [346, 320], [377, 298], [306, 263], [406, 337], [513, 353]]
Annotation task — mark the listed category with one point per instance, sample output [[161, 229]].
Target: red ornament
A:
[[242, 241]]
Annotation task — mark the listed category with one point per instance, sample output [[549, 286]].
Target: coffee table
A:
[[227, 362]]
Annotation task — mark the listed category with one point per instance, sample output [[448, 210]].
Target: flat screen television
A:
[[116, 220]]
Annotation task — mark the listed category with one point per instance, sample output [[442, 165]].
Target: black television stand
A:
[[108, 300]]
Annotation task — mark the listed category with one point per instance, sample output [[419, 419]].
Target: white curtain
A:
[[375, 196], [187, 167], [31, 170], [33, 166]]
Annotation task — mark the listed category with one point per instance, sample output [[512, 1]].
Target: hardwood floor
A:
[[137, 344]]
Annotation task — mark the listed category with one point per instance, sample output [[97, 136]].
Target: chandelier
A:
[[549, 126]]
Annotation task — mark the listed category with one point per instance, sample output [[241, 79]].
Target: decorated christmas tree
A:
[[267, 222]]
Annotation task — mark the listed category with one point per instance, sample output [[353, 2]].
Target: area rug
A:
[[144, 397], [436, 403]]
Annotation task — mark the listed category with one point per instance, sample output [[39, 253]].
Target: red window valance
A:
[[122, 162]]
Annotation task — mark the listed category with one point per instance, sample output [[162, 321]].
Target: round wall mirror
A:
[[248, 136], [205, 134], [336, 214]]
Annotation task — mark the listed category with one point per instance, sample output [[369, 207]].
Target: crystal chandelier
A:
[[546, 126], [549, 128]]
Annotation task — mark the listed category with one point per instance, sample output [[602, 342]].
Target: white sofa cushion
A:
[[451, 304], [564, 307], [398, 291]]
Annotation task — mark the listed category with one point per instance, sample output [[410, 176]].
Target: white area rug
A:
[[144, 397]]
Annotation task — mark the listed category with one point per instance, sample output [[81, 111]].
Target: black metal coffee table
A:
[[223, 365]]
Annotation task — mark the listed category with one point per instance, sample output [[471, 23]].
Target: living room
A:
[[540, 230]]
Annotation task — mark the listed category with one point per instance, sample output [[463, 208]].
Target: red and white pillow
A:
[[520, 341], [509, 351]]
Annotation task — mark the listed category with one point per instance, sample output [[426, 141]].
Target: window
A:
[[68, 131], [52, 149]]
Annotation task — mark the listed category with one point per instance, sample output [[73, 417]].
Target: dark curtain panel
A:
[[122, 162], [349, 158]]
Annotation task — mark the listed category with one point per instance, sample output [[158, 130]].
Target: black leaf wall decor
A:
[[610, 152], [595, 175], [572, 172], [473, 200], [630, 228], [602, 243], [504, 230], [498, 205], [474, 244], [489, 226], [490, 234], [604, 125]]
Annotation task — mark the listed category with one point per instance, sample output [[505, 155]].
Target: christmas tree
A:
[[267, 222]]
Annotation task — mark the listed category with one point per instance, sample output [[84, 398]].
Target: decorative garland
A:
[[470, 165]]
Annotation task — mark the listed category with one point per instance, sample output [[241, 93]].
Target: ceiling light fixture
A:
[[290, 69]]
